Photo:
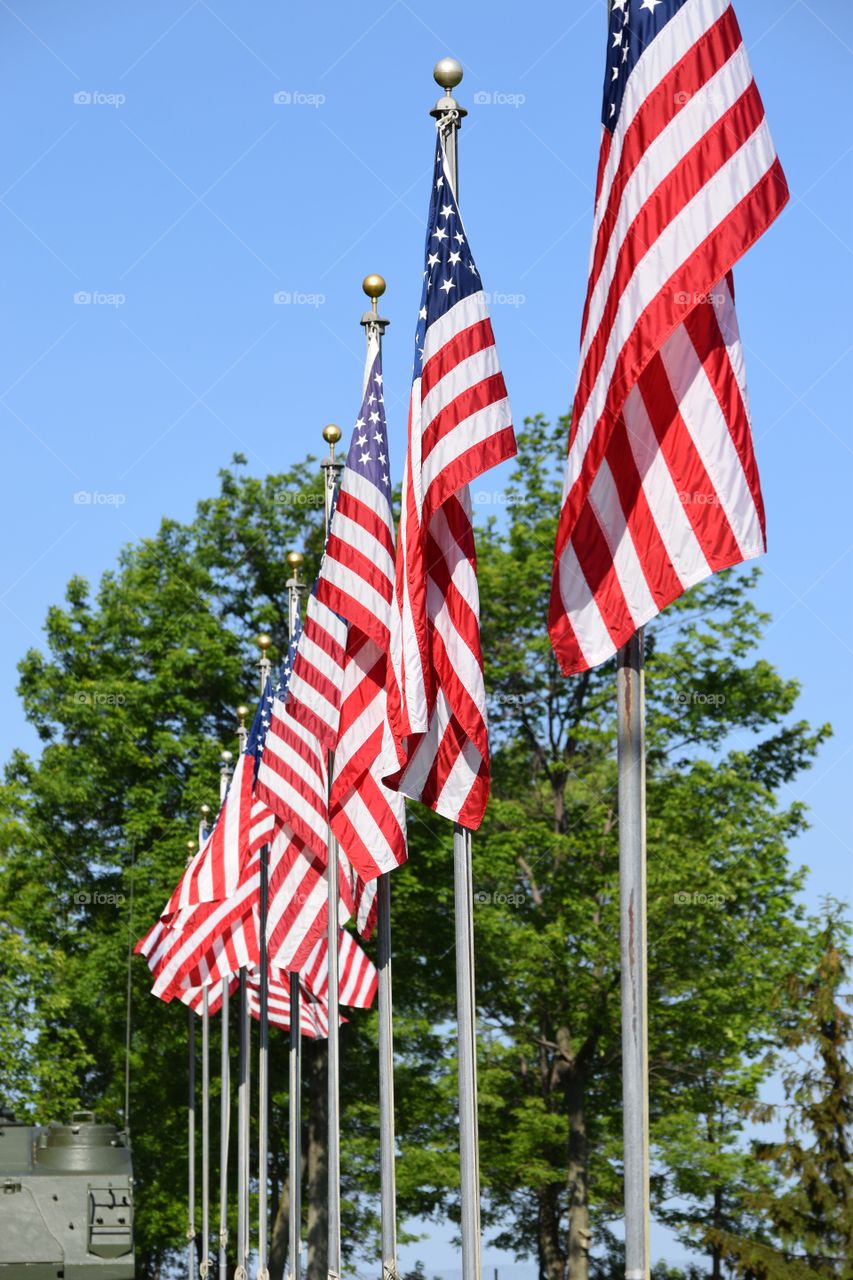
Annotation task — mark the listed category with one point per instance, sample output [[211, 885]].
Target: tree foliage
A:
[[133, 700], [802, 1222]]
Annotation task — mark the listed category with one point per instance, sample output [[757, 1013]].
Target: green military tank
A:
[[66, 1201]]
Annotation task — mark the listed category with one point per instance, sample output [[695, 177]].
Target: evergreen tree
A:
[[805, 1217]]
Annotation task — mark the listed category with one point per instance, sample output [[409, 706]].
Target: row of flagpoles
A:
[[382, 695], [255, 994], [299, 748]]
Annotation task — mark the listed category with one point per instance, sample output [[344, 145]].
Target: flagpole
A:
[[449, 114], [191, 1124], [241, 1272], [374, 329], [264, 668], [225, 1079], [191, 1103], [295, 560], [387, 1143], [331, 472], [633, 944], [632, 895], [295, 1153], [204, 1264]]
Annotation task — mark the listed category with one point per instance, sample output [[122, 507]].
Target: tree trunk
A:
[[552, 1259], [318, 1160], [578, 1177], [719, 1225], [149, 1265]]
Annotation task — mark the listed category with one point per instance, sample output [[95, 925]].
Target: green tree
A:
[[804, 1219], [724, 924], [133, 699]]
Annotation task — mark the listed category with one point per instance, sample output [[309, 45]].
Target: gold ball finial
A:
[[447, 73], [242, 712], [190, 846], [227, 757], [295, 559], [264, 641], [373, 286], [205, 810], [331, 434]]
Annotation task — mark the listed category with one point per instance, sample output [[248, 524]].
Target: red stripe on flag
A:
[[463, 345], [727, 243], [687, 78]]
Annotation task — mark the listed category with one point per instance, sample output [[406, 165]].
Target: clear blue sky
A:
[[146, 162]]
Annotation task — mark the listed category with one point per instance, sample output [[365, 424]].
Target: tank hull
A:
[[66, 1202]]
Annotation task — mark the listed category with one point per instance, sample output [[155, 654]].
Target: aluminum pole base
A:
[[632, 894], [469, 1157], [387, 1144]]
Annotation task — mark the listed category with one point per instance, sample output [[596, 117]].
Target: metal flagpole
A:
[[469, 1155], [387, 1145], [331, 471], [449, 114], [204, 1263], [191, 1142], [295, 560], [243, 1111], [225, 1080], [295, 1121], [631, 738], [374, 329], [264, 668], [191, 1231], [632, 895], [241, 1271]]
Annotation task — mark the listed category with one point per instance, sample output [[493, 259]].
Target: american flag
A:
[[233, 947], [317, 678], [193, 997], [358, 979], [243, 825], [222, 939], [292, 773], [219, 935], [206, 941], [313, 1011], [298, 907], [459, 426], [293, 782], [219, 930], [662, 486], [357, 976], [357, 582]]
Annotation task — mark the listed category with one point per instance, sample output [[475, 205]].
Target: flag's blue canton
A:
[[368, 453], [260, 725], [450, 272], [287, 666], [634, 24], [263, 715]]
